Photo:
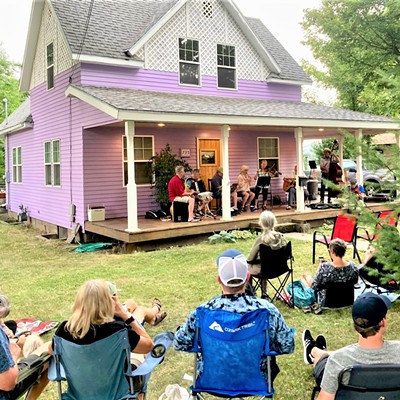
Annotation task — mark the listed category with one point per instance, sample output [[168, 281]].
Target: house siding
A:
[[128, 78]]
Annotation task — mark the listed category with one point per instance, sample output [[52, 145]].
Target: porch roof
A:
[[21, 118], [148, 106]]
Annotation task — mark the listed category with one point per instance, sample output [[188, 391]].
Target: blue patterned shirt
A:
[[6, 360], [281, 336]]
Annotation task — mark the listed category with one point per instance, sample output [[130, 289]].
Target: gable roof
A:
[[118, 28], [21, 118]]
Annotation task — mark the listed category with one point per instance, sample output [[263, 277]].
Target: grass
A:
[[41, 278]]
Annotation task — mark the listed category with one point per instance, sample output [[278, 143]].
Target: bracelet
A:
[[129, 320]]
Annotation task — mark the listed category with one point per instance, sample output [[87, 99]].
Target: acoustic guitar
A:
[[288, 183]]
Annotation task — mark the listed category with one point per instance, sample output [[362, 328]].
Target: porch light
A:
[[321, 129], [161, 124]]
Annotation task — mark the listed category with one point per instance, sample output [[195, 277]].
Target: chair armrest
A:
[[320, 233], [365, 230]]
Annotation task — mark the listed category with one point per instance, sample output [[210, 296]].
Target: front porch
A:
[[154, 234]]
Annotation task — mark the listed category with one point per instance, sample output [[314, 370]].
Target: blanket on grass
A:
[[35, 326]]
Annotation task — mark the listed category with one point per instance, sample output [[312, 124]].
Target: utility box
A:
[[96, 214]]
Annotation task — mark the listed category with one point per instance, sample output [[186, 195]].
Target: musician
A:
[[324, 164], [216, 187], [243, 187], [263, 179], [197, 185], [289, 186], [357, 189]]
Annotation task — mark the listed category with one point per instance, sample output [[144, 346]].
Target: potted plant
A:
[[163, 169], [23, 214]]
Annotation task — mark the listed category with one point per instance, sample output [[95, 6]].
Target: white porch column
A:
[[397, 136], [300, 170], [133, 225], [226, 182], [359, 160], [340, 155]]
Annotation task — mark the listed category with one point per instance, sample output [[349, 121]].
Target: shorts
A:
[[320, 368], [184, 199]]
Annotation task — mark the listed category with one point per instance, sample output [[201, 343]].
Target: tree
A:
[[358, 42], [9, 89]]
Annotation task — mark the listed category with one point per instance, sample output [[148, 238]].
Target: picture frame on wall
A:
[[207, 157]]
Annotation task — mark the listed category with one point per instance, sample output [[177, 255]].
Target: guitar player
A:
[[324, 164], [289, 185]]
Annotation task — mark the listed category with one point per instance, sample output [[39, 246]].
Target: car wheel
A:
[[372, 188]]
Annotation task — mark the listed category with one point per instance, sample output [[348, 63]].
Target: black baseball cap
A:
[[371, 307]]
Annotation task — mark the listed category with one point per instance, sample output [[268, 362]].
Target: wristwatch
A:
[[129, 320]]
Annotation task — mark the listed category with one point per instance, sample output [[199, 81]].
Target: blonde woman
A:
[[243, 187], [269, 237]]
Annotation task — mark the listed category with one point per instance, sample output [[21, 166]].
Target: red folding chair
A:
[[387, 217], [345, 228]]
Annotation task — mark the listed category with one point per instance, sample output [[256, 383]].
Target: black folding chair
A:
[[275, 264]]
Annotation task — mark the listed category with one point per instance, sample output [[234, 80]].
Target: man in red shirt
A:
[[178, 191]]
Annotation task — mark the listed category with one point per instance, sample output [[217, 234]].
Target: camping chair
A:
[[339, 294], [229, 348], [373, 276], [344, 228], [30, 370], [275, 264], [102, 370], [386, 217], [367, 382]]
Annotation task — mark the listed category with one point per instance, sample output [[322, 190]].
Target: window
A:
[[52, 165], [189, 62], [50, 65], [268, 149], [17, 165], [143, 152], [226, 65]]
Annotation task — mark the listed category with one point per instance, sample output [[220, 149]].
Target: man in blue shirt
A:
[[232, 277], [356, 189]]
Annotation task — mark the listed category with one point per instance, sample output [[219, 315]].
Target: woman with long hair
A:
[[243, 187], [268, 237]]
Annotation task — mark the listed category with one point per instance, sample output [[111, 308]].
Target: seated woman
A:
[[269, 237], [336, 271], [263, 180], [243, 187], [93, 319]]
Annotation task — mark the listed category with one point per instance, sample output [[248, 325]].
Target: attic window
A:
[[189, 62], [226, 64], [207, 9], [50, 65]]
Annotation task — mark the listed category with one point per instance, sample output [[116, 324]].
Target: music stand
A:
[[313, 166]]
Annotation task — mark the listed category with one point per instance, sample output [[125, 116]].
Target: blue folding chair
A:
[[102, 370], [229, 349]]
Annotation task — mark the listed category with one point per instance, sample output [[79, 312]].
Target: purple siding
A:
[[129, 78]]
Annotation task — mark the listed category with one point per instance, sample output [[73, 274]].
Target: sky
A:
[[281, 17]]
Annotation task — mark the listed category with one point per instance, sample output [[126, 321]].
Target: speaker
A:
[[180, 211]]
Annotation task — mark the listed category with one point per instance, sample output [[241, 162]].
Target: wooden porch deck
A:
[[157, 231]]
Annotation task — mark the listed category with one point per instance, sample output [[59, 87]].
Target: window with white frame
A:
[[50, 65], [52, 164], [143, 151], [17, 164], [268, 149], [189, 62], [226, 66]]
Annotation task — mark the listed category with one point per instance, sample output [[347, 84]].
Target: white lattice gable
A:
[[211, 23], [50, 31]]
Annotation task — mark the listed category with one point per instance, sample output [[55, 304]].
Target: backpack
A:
[[301, 295]]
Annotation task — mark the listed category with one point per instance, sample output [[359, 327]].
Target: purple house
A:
[[112, 82]]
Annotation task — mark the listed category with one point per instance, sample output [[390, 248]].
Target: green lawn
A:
[[41, 278]]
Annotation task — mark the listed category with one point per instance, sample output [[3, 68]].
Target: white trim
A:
[[227, 67], [156, 27], [278, 158], [226, 183], [107, 61], [198, 63], [52, 163], [298, 134], [16, 128], [288, 82], [16, 178]]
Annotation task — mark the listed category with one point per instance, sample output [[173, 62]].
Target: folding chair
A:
[[30, 371], [102, 370], [369, 382], [338, 295], [344, 228], [387, 217], [373, 276], [229, 349], [275, 264]]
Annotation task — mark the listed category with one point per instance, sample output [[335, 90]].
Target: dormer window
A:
[[189, 62], [50, 65], [226, 65]]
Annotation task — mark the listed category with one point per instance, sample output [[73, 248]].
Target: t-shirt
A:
[[216, 184], [6, 360], [354, 354], [176, 188], [99, 332]]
